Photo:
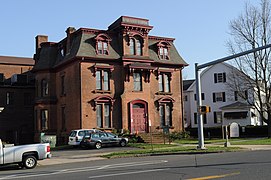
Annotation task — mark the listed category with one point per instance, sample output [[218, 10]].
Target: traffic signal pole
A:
[[198, 87], [199, 104]]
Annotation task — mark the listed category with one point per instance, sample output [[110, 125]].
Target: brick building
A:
[[119, 78], [16, 99]]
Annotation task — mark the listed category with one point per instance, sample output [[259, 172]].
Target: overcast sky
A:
[[201, 28]]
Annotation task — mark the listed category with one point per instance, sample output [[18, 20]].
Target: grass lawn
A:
[[261, 141], [234, 141], [148, 149]]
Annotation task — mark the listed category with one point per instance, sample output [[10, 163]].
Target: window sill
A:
[[102, 92], [163, 93], [138, 91], [105, 128]]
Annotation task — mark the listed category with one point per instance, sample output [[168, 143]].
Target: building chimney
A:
[[39, 39], [69, 31]]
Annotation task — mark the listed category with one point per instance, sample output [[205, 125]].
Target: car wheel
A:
[[98, 145], [123, 143], [29, 162]]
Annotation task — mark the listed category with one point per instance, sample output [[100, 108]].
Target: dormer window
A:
[[102, 44], [44, 88], [163, 50], [135, 45], [62, 51], [163, 53], [102, 47]]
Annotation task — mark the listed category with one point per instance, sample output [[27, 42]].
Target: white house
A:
[[227, 105]]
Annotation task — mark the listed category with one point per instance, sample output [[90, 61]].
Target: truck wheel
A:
[[29, 162], [98, 145]]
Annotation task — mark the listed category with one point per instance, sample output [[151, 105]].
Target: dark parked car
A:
[[100, 139]]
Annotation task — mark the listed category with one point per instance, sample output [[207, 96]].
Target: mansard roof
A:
[[83, 46]]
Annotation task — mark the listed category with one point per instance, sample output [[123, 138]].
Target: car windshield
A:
[[111, 135], [73, 134], [81, 133]]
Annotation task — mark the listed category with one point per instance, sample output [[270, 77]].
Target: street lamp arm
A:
[[232, 56]]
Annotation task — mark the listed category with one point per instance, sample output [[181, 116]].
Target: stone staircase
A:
[[155, 138]]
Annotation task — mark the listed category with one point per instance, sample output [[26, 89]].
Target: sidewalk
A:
[[253, 147]]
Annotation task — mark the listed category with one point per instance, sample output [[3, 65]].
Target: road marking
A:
[[215, 176], [132, 172], [76, 170]]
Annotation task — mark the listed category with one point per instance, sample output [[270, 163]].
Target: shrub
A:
[[179, 135]]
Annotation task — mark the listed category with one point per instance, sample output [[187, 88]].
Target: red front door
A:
[[138, 118]]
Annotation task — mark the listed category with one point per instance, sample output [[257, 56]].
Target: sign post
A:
[[151, 134]]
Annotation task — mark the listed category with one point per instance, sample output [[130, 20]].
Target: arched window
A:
[[163, 50], [138, 47], [135, 45], [103, 115], [44, 88], [165, 111], [102, 44], [103, 107], [132, 46]]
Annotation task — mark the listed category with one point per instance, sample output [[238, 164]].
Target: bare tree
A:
[[252, 29]]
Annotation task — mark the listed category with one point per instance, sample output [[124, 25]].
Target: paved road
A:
[[238, 165]]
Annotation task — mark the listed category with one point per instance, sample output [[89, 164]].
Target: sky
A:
[[200, 28]]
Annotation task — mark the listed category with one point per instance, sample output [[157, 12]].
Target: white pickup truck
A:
[[24, 155]]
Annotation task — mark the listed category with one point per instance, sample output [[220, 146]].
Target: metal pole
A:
[[198, 86], [199, 103], [151, 135], [227, 143]]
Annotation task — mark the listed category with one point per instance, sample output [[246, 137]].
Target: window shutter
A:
[[215, 118], [195, 118], [235, 95], [224, 97], [246, 95], [214, 100], [202, 96], [215, 78], [224, 77], [204, 119]]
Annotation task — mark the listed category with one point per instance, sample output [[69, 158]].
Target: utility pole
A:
[[198, 87], [199, 104]]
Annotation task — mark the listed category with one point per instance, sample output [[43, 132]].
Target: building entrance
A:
[[139, 117]]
